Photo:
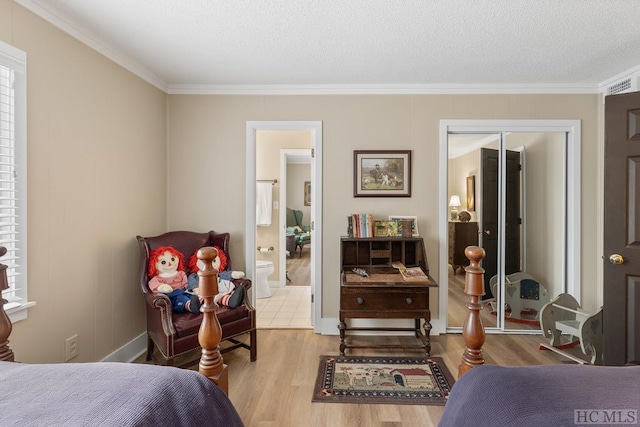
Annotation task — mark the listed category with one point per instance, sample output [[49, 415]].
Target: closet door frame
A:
[[571, 128]]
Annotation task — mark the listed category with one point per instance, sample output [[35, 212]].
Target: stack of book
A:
[[360, 225]]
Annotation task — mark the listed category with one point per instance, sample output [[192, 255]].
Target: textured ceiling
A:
[[225, 43]]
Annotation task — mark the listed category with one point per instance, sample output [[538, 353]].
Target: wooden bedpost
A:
[[210, 334], [473, 330], [6, 354]]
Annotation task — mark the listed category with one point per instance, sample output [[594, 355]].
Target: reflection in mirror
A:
[[464, 153], [524, 238], [541, 229]]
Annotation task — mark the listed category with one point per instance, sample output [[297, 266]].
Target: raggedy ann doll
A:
[[228, 294], [166, 269]]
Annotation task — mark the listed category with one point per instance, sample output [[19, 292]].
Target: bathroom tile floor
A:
[[286, 308]]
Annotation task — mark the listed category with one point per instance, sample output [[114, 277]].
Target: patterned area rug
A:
[[389, 380]]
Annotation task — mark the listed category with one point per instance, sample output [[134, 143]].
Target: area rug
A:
[[388, 380]]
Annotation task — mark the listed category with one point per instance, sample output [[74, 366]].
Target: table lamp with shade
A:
[[454, 204]]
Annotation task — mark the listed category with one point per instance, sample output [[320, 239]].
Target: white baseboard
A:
[[130, 351], [327, 326], [438, 327]]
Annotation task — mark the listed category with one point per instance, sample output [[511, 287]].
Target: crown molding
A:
[[381, 89], [83, 35]]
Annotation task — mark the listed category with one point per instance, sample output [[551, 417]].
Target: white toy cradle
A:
[[524, 296], [562, 317]]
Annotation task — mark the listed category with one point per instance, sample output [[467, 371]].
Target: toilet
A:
[[263, 271]]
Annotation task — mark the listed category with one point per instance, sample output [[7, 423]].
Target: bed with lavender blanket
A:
[[110, 394], [544, 395]]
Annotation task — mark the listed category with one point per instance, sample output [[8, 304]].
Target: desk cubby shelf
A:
[[365, 252]]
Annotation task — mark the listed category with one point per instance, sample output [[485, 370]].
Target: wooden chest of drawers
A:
[[461, 235]]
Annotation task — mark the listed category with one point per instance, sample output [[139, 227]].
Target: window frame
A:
[[16, 60]]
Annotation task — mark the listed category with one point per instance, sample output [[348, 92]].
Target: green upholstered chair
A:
[[294, 225]]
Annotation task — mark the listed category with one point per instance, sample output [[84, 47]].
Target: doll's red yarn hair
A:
[[158, 252], [193, 261]]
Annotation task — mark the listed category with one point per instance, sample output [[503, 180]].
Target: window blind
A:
[[13, 153], [8, 176]]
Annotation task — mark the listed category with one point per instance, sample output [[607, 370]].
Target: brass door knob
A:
[[616, 259]]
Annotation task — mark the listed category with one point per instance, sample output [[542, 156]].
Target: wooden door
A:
[[513, 216], [621, 309], [489, 219], [489, 230]]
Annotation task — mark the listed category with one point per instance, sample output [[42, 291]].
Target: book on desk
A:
[[410, 273]]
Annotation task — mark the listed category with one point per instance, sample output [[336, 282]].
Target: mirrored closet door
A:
[[507, 192]]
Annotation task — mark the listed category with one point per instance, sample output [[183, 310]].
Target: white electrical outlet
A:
[[70, 348]]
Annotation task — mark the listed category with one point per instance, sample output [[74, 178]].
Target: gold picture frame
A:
[[471, 193], [307, 193]]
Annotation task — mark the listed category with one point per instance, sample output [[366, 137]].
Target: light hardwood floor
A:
[[276, 390], [299, 267]]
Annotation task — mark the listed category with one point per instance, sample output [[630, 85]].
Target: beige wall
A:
[[545, 212], [459, 169], [96, 177], [363, 122]]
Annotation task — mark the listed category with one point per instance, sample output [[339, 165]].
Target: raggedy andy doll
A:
[[166, 269], [228, 294]]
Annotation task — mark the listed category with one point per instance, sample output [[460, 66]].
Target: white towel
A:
[[263, 204]]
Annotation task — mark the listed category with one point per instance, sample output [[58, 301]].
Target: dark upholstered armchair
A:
[[294, 225], [176, 334]]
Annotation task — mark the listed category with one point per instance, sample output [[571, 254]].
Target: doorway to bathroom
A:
[[285, 157], [288, 303]]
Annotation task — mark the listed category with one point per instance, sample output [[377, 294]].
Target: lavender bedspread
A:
[[546, 395], [110, 394]]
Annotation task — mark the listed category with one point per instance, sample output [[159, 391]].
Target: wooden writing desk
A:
[[384, 294]]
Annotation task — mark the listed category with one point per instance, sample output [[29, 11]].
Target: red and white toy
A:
[[166, 269], [228, 295]]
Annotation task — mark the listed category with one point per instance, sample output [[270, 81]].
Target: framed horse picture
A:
[[382, 173]]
